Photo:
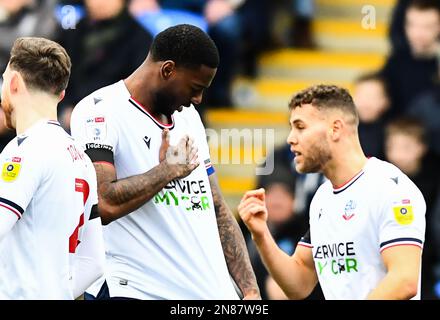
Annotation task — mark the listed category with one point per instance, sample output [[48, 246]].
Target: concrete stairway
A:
[[345, 50]]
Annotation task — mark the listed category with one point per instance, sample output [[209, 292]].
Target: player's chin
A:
[[299, 165], [299, 168]]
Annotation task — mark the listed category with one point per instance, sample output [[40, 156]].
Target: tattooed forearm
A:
[[234, 246], [118, 198]]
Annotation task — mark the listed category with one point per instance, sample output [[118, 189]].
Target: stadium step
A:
[[271, 93], [347, 48], [311, 65], [284, 72], [239, 141], [343, 9], [350, 35]]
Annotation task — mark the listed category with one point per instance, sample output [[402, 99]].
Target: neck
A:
[[34, 108], [430, 52], [345, 165], [137, 88]]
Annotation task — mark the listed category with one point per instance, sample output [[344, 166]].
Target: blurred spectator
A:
[[291, 22], [302, 34], [24, 18], [287, 225], [426, 107], [398, 39], [155, 19], [405, 147], [6, 134], [372, 103], [409, 73], [256, 34], [106, 46]]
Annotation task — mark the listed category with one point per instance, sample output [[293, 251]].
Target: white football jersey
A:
[[49, 183], [170, 247], [350, 226]]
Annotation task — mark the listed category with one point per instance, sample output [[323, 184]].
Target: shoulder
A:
[[101, 100], [191, 113], [389, 181], [323, 191], [191, 116], [38, 147]]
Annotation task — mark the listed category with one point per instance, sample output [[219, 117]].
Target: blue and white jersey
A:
[[352, 224], [49, 184], [170, 247]]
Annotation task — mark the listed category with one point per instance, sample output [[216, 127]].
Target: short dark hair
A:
[[326, 97], [425, 5], [43, 64], [186, 45], [374, 76], [408, 126]]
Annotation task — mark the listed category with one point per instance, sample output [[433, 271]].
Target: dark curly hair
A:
[[325, 97], [187, 45]]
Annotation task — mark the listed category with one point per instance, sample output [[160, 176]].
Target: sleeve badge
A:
[[403, 214], [11, 169]]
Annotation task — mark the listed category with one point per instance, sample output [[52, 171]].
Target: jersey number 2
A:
[[83, 187]]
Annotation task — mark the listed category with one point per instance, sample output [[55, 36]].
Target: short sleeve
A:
[[92, 202], [93, 127], [203, 146], [306, 240], [22, 173], [402, 216]]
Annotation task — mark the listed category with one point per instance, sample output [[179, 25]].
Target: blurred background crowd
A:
[[386, 53]]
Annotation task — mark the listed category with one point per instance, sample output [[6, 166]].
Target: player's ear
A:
[[336, 129], [14, 82], [167, 69], [61, 95]]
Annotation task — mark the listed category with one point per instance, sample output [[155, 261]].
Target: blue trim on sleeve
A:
[[401, 240], [210, 170]]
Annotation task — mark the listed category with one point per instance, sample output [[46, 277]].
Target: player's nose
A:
[[291, 138]]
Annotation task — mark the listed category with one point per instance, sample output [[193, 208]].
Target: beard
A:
[[318, 156], [164, 102]]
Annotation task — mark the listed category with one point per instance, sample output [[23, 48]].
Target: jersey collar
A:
[[347, 184], [142, 109]]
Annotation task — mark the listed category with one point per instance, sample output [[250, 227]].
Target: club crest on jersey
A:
[[11, 169], [349, 210], [403, 214], [96, 128]]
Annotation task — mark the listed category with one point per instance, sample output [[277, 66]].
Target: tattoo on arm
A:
[[234, 246], [117, 198]]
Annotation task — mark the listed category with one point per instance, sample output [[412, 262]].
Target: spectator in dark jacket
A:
[[426, 108], [406, 148], [409, 73], [106, 46], [372, 103], [24, 18]]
